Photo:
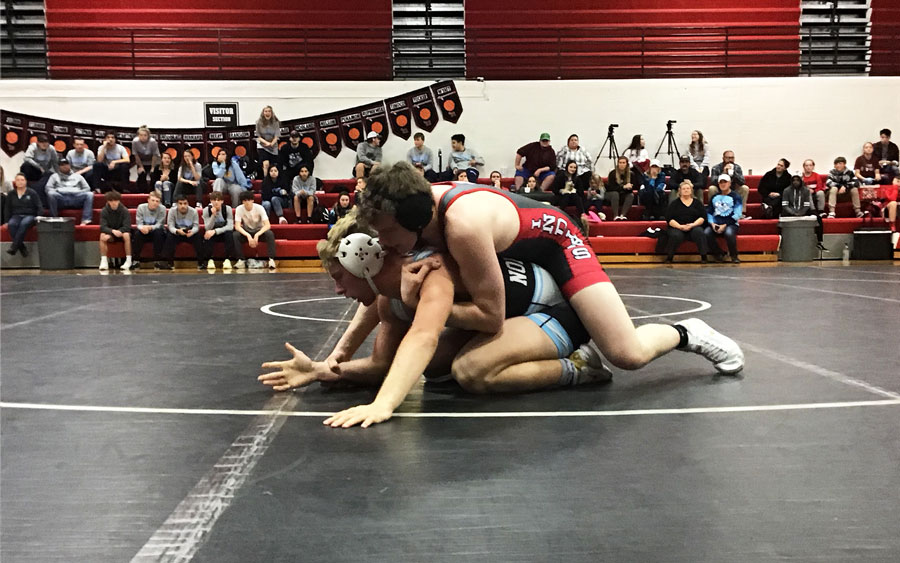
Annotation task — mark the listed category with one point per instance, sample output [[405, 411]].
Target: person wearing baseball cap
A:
[[686, 172], [368, 155], [723, 218], [652, 195], [70, 191], [540, 162], [294, 154]]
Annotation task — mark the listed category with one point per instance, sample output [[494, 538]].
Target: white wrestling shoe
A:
[[589, 365], [723, 352]]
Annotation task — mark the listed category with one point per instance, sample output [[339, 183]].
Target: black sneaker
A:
[[12, 250], [136, 265], [720, 257], [165, 266], [23, 251], [735, 260], [703, 259]]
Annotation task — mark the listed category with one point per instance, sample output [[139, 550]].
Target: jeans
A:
[[68, 200], [37, 179], [139, 239], [173, 240], [18, 226], [240, 239], [627, 199], [677, 236], [226, 238], [230, 188], [165, 188], [773, 200], [571, 200], [276, 204], [730, 235]]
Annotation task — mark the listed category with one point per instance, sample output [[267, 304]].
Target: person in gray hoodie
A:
[[796, 201], [151, 226], [218, 222], [368, 155], [69, 190], [41, 161], [182, 224]]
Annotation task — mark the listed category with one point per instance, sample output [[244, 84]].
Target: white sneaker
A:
[[104, 263], [723, 352], [282, 220], [240, 264], [589, 365], [226, 265], [210, 265], [127, 264], [272, 265]]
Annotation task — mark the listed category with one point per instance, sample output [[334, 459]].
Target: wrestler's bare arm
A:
[[364, 322], [371, 370]]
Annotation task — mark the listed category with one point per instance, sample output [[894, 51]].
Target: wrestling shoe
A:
[[723, 352], [589, 366]]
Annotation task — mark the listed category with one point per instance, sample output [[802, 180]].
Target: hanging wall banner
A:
[[194, 141], [448, 100], [423, 110], [399, 116], [375, 119], [329, 134], [242, 142], [215, 142], [352, 129], [85, 132], [61, 137], [33, 126], [170, 143], [308, 135], [13, 130]]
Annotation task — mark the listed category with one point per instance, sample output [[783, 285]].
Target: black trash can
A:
[[56, 243]]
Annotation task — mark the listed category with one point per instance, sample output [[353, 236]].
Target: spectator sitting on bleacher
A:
[[292, 155], [888, 155], [303, 189], [685, 172], [24, 206], [229, 177], [772, 186], [496, 180], [113, 164], [218, 222], [462, 159], [360, 186], [189, 178], [368, 155], [723, 219], [890, 195], [568, 190], [145, 150], [637, 154], [728, 166], [686, 217], [531, 185], [573, 151], [164, 178], [462, 176], [621, 183], [150, 225], [595, 195], [816, 184], [866, 168], [796, 201], [41, 161], [422, 158], [540, 162], [115, 226], [842, 183], [652, 195], [698, 149], [182, 225], [340, 209], [275, 196], [267, 129], [82, 160], [251, 224], [69, 190]]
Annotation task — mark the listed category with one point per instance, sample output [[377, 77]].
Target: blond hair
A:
[[328, 247], [686, 183], [386, 186], [143, 129]]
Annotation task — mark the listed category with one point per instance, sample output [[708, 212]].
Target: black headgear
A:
[[414, 212]]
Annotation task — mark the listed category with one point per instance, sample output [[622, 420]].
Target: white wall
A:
[[761, 119]]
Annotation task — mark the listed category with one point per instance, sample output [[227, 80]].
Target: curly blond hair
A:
[[328, 247], [386, 186]]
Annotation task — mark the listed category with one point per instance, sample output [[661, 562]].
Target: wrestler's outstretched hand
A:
[[412, 278], [364, 415], [296, 372]]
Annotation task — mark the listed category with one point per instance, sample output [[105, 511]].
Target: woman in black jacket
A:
[[568, 189], [686, 217]]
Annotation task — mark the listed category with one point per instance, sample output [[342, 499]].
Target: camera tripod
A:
[[611, 140], [671, 147]]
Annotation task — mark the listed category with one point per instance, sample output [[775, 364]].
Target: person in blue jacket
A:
[[723, 216]]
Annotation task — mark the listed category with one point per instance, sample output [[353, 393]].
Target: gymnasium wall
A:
[[761, 119]]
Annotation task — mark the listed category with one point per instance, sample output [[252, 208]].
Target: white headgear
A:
[[362, 256]]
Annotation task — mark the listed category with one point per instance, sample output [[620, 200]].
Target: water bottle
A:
[[846, 254]]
